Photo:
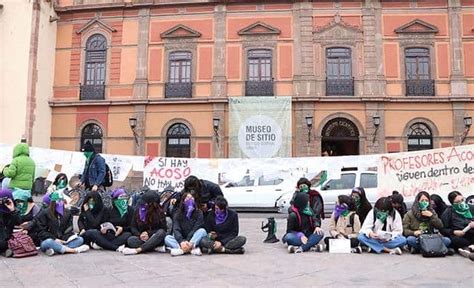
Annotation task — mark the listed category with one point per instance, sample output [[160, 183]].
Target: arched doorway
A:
[[92, 133], [178, 141], [339, 137], [420, 137]]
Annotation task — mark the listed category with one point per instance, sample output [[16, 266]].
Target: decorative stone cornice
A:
[[180, 31], [417, 26], [98, 22], [259, 28]]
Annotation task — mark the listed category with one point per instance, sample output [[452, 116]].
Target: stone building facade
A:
[[365, 76]]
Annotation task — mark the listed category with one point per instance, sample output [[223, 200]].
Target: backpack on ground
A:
[[432, 245], [22, 245]]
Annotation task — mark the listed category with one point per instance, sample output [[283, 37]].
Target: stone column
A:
[[458, 81], [140, 86], [304, 79], [374, 82], [303, 147], [375, 137], [458, 122], [219, 81]]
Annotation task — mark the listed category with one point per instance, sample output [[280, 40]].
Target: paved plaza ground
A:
[[263, 265]]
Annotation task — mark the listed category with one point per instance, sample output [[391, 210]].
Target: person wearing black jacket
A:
[[398, 203], [316, 202], [302, 233], [148, 226], [55, 229], [455, 219], [92, 215], [188, 229], [363, 206], [205, 192], [223, 227], [114, 233], [8, 219]]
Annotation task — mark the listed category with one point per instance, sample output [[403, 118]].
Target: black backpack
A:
[[109, 177], [39, 186]]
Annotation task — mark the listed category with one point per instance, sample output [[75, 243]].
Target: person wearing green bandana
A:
[[120, 215], [362, 205], [382, 229], [344, 223], [27, 211], [455, 219], [315, 205], [303, 232], [94, 169], [93, 214], [421, 219], [60, 182]]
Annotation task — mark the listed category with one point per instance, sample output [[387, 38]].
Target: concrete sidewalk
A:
[[263, 265]]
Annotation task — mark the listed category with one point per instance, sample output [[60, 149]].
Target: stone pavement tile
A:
[[105, 280]]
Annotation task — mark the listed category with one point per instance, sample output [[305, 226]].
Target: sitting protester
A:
[[223, 227], [148, 226], [362, 205], [28, 211], [55, 229], [456, 219], [204, 192], [302, 231], [188, 228], [421, 219], [316, 202], [60, 182], [92, 215], [438, 204], [382, 229], [398, 203], [8, 219], [115, 230], [344, 223]]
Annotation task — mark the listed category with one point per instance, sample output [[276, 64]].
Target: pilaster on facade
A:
[[140, 86], [305, 143], [375, 133], [458, 81], [219, 80]]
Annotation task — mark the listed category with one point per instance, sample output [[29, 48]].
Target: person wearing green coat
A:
[[22, 169]]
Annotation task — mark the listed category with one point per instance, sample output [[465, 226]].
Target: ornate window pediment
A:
[[259, 28], [180, 31], [96, 22], [417, 26], [337, 29]]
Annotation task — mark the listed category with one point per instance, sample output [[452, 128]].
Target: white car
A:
[[255, 192], [341, 186]]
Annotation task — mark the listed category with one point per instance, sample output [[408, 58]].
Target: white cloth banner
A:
[[437, 171]]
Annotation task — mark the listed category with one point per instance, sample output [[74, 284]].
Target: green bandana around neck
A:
[[357, 202], [308, 211], [22, 207], [345, 213], [55, 196], [91, 204], [423, 205], [122, 206], [304, 189], [462, 209], [382, 215], [61, 184], [88, 155]]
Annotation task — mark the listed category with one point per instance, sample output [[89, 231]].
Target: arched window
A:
[[419, 137], [339, 71], [92, 133], [178, 141], [94, 68]]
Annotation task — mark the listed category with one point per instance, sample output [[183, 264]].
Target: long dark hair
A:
[[453, 195], [344, 199], [154, 212], [439, 204], [416, 209], [59, 177], [99, 205], [365, 205], [384, 204]]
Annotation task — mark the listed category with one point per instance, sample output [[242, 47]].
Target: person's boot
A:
[[240, 250], [271, 229], [207, 245]]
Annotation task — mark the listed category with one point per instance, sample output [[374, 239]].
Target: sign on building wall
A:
[[260, 127], [438, 171]]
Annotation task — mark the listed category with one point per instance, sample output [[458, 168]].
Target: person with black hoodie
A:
[[115, 230], [148, 226], [188, 229], [205, 192], [55, 229], [398, 203], [455, 219], [92, 215], [421, 219], [223, 228], [8, 219], [316, 202], [363, 205], [438, 204], [302, 231]]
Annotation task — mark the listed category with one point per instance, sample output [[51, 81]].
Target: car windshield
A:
[[347, 181], [264, 182], [368, 180]]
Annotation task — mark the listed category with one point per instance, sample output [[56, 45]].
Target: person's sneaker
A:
[[450, 252], [299, 250], [49, 252], [176, 252], [8, 253], [120, 248], [369, 250], [161, 249], [196, 251], [464, 252], [396, 251], [356, 250], [471, 256], [240, 250], [413, 250], [292, 249], [82, 249], [95, 246], [129, 251], [318, 248]]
